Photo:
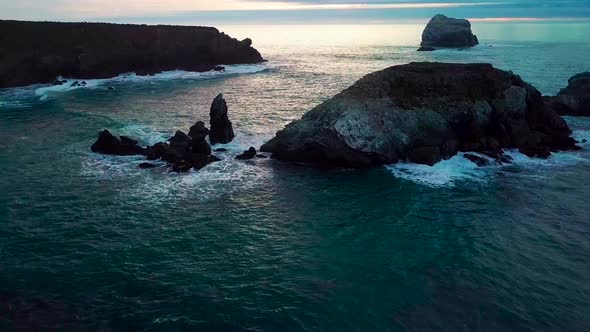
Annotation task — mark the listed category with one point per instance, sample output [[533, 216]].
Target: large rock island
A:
[[444, 31], [424, 112], [38, 52]]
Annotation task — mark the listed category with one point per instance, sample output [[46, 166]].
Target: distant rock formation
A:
[[573, 99], [38, 52], [221, 127], [444, 31], [424, 112]]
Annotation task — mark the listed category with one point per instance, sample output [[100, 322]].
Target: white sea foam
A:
[[449, 173], [160, 184], [44, 91]]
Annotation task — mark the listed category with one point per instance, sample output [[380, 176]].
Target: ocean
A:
[[93, 243]]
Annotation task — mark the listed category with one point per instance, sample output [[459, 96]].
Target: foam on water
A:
[[44, 91], [443, 174], [449, 173], [161, 184]]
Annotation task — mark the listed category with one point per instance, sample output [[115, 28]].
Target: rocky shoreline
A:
[[39, 52]]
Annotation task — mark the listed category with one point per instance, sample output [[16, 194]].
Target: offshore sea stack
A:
[[444, 31], [573, 99], [221, 128], [423, 113], [38, 52]]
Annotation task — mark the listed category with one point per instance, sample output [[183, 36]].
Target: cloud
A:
[[293, 10]]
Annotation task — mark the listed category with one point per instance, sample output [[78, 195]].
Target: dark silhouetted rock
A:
[[423, 112], [426, 49], [261, 156], [247, 42], [248, 154], [179, 138], [219, 68], [198, 131], [573, 99], [221, 128], [147, 165], [479, 161], [444, 31], [38, 52], [221, 150], [107, 143]]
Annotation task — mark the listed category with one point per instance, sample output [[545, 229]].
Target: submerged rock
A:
[[107, 143], [221, 128], [248, 154], [573, 99], [423, 112], [147, 165], [444, 31]]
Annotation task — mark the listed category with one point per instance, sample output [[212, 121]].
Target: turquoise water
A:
[[92, 243]]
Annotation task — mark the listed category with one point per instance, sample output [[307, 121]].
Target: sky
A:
[[288, 11]]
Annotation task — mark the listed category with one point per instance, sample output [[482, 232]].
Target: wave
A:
[[457, 170], [68, 83], [161, 184]]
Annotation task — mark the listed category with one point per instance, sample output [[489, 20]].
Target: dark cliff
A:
[[38, 52]]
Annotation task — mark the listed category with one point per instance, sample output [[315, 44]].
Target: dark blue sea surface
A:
[[92, 243]]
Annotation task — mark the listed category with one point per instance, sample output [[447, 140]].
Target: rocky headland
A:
[[39, 52], [573, 99], [442, 31], [423, 113]]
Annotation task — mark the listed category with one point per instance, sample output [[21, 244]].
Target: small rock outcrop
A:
[[38, 52], [107, 143], [182, 151], [444, 31], [248, 154], [573, 99], [221, 128], [424, 112]]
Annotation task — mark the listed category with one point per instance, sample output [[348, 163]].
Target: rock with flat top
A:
[[444, 31], [423, 113]]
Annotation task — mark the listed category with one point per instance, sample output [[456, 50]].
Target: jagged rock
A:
[[573, 99], [181, 153], [221, 128], [107, 143], [221, 150], [444, 31], [219, 68], [179, 138], [38, 52], [248, 154], [198, 131], [423, 112]]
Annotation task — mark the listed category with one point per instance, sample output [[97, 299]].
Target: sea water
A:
[[92, 242]]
